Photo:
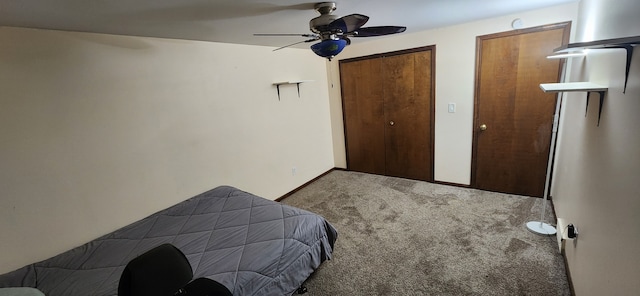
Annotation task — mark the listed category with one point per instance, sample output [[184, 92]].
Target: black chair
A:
[[165, 271]]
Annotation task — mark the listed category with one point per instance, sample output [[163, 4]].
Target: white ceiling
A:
[[235, 21]]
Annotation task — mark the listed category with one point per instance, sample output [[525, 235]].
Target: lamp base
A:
[[541, 228]]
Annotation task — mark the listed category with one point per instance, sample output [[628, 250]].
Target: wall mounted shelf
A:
[[627, 44], [579, 54], [587, 87], [572, 86], [296, 82]]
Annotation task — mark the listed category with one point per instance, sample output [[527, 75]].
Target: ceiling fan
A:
[[334, 32]]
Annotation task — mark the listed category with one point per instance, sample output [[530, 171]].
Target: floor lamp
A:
[[540, 227]]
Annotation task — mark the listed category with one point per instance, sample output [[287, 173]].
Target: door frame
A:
[[432, 95], [566, 26]]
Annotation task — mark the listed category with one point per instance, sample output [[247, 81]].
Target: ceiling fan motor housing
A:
[[325, 7], [320, 24]]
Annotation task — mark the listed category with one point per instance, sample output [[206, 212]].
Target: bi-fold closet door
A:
[[388, 113]]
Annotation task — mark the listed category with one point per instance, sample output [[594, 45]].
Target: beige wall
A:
[[455, 70], [597, 184], [99, 130]]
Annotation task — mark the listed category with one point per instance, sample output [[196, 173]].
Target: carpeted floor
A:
[[405, 237]]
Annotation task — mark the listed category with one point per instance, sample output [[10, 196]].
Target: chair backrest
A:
[[161, 271]]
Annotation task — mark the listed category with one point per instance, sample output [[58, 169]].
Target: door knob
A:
[[391, 123], [483, 127]]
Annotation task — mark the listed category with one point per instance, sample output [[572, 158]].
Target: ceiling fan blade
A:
[[277, 34], [292, 44], [348, 23], [377, 31]]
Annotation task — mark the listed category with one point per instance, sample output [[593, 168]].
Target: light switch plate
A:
[[452, 107]]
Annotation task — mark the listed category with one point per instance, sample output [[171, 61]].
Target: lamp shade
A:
[[329, 48]]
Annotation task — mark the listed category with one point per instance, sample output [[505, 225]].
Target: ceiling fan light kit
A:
[[329, 48], [334, 32]]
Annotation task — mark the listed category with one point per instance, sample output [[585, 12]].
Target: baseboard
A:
[[347, 170], [566, 268], [562, 249], [279, 199], [451, 184]]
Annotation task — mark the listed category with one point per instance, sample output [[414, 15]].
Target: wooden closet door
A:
[[407, 97], [363, 108], [388, 114]]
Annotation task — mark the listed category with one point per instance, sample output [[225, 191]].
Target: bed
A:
[[251, 245]]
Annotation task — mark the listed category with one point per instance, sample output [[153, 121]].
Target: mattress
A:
[[252, 245]]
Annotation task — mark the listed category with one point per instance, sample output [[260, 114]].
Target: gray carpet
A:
[[405, 237]]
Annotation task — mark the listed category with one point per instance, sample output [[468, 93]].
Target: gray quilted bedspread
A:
[[251, 245]]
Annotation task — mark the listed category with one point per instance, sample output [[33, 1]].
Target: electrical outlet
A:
[[294, 170], [572, 231]]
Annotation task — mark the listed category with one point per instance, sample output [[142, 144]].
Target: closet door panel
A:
[[363, 110], [407, 100]]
